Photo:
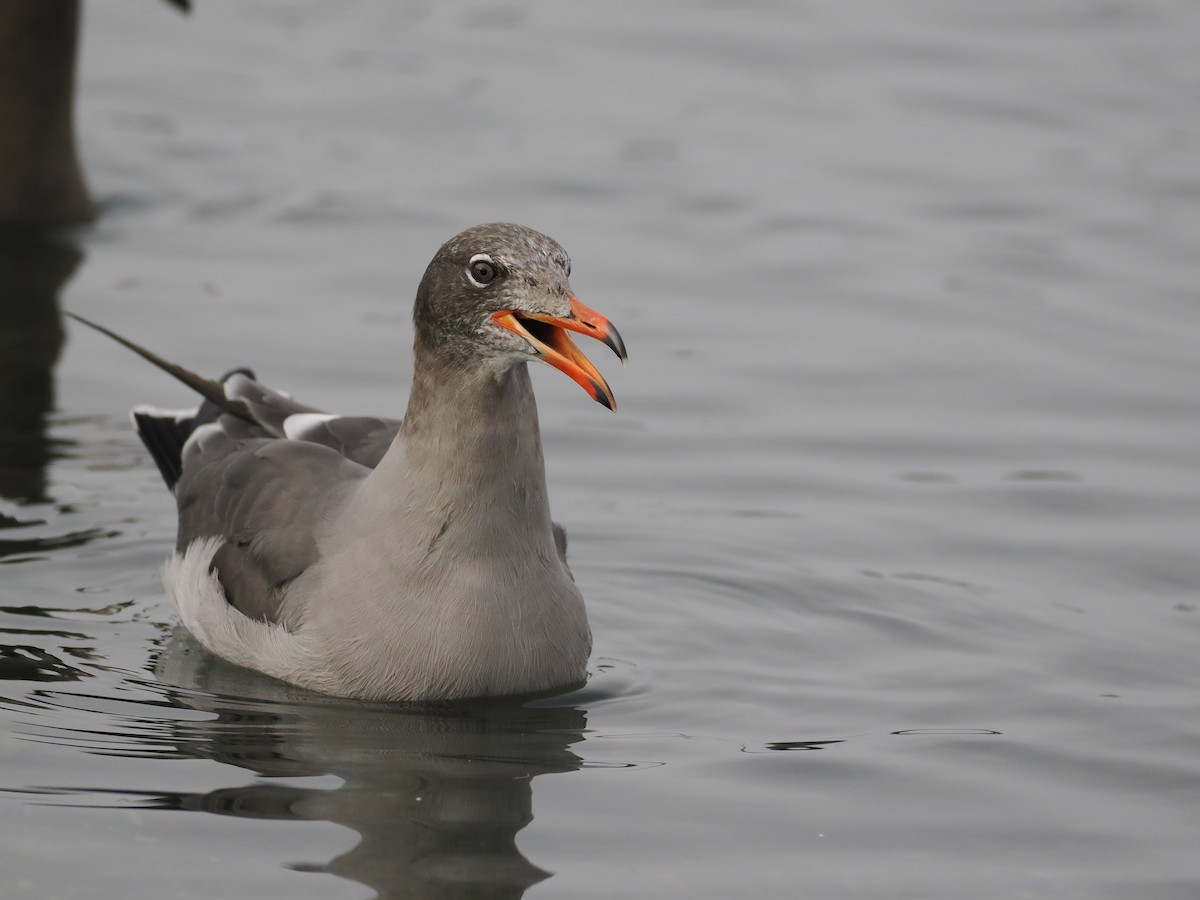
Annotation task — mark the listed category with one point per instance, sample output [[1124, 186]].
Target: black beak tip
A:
[[601, 397], [614, 342]]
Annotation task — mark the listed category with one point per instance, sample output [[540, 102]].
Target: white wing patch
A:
[[296, 426], [197, 436]]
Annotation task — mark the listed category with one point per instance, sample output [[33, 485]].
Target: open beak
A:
[[548, 335]]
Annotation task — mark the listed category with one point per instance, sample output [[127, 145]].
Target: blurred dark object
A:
[[34, 265], [41, 180]]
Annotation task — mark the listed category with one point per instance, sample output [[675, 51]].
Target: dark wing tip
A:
[[164, 437]]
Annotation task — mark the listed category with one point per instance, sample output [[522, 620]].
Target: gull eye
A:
[[482, 270]]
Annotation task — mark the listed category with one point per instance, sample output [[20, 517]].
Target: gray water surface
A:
[[892, 549]]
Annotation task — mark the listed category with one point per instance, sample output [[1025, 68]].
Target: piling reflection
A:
[[437, 795], [34, 266]]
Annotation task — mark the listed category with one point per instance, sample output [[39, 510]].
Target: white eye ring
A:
[[482, 270]]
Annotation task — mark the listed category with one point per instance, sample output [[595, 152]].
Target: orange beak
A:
[[548, 335]]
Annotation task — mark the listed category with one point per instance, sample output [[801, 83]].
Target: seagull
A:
[[387, 559]]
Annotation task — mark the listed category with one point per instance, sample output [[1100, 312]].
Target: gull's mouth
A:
[[542, 332], [549, 339]]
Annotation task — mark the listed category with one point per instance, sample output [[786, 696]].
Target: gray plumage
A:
[[408, 559]]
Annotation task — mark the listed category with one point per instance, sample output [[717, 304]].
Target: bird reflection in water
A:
[[436, 793]]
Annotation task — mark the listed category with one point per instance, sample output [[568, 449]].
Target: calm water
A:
[[892, 551]]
